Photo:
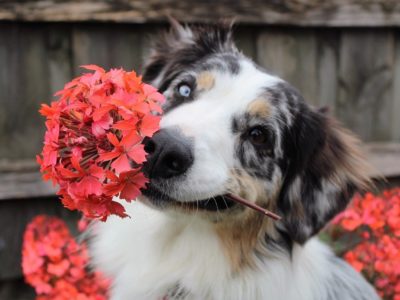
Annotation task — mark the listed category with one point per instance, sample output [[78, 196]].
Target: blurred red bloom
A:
[[375, 221], [56, 265], [96, 126]]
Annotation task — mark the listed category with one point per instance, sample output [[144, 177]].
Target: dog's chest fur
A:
[[153, 256]]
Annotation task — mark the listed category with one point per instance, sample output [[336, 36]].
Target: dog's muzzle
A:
[[170, 155]]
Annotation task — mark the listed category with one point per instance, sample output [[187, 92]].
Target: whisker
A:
[[216, 205]]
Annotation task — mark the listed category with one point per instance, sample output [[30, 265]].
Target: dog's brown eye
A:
[[258, 136]]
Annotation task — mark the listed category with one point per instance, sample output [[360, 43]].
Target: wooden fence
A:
[[343, 54], [354, 71]]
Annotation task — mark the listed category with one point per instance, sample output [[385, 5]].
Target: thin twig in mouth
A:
[[253, 206]]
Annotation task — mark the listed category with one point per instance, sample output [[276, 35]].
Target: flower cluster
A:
[[374, 223], [55, 264], [93, 143]]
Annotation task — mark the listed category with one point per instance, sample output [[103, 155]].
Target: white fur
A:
[[151, 253]]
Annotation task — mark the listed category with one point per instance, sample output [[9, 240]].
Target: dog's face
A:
[[230, 127]]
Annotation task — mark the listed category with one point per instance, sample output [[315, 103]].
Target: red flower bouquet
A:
[[372, 223], [93, 144], [56, 265]]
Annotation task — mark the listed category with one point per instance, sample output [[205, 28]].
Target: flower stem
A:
[[253, 206]]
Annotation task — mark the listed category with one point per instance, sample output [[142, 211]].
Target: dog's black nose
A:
[[169, 154]]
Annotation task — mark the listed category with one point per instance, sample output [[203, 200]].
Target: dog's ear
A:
[[324, 168]]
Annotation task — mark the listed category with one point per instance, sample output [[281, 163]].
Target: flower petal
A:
[[121, 164]]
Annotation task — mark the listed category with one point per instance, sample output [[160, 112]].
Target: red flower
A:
[[128, 147], [55, 264], [127, 184], [96, 126], [149, 125], [375, 221]]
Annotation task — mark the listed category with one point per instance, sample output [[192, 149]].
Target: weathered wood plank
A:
[[365, 77], [14, 216], [292, 55], [23, 185], [25, 83], [385, 158], [8, 87], [288, 12], [35, 63], [108, 46], [395, 110], [327, 65], [59, 61], [21, 179]]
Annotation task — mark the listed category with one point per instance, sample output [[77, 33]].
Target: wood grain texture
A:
[[108, 46], [327, 67], [385, 158], [59, 60], [288, 12], [292, 55], [35, 63], [365, 97], [25, 54], [395, 109], [24, 185]]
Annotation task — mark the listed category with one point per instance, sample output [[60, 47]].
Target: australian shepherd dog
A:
[[231, 127]]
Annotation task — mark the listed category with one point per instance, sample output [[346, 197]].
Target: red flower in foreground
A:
[[375, 221], [95, 128], [55, 264]]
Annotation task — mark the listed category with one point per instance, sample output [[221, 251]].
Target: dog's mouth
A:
[[216, 203], [212, 204]]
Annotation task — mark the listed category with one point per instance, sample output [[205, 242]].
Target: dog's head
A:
[[230, 126]]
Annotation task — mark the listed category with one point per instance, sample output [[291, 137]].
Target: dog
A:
[[231, 127]]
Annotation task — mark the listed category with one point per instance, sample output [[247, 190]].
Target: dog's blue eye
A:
[[184, 90]]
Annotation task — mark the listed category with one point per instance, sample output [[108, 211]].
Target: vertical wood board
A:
[[365, 82]]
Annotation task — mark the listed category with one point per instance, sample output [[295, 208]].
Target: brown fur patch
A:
[[242, 236], [259, 108], [241, 239], [205, 81]]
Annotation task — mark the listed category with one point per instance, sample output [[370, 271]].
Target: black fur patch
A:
[[257, 160], [304, 144], [305, 161], [174, 53]]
